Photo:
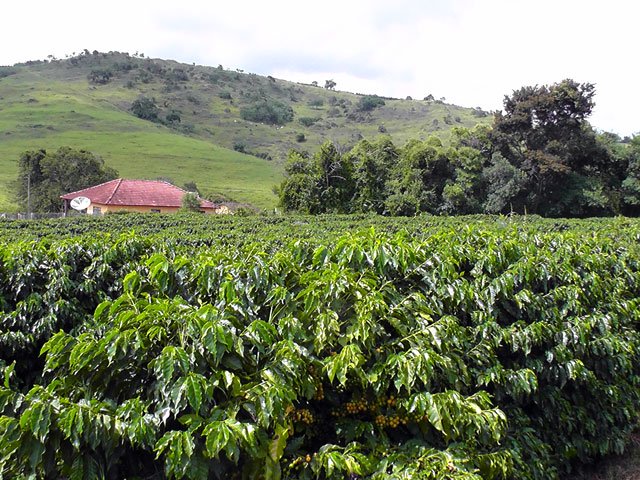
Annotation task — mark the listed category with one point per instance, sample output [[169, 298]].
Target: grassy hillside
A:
[[85, 102], [40, 113]]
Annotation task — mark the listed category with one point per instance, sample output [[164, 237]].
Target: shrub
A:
[[308, 121], [177, 75], [173, 117], [144, 76], [193, 99], [267, 111], [368, 103], [100, 76], [145, 108], [316, 102], [6, 71]]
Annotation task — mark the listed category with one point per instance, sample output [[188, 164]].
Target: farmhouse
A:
[[136, 196]]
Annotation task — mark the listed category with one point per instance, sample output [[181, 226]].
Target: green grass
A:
[[49, 105], [55, 115]]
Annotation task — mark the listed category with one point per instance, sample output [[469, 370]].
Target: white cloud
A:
[[471, 52]]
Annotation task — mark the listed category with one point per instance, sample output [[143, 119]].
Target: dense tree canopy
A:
[[543, 133], [540, 156], [44, 176]]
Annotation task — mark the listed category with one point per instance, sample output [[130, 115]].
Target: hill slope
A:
[[199, 126]]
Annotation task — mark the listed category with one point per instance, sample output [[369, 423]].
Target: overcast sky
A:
[[472, 52]]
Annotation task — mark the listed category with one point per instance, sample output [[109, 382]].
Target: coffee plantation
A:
[[316, 348]]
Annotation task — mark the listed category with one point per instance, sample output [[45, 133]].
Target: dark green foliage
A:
[[479, 112], [369, 102], [272, 112], [190, 203], [100, 76], [316, 102], [372, 177], [421, 174], [308, 121], [322, 184], [372, 165], [144, 76], [145, 108], [631, 183], [541, 156], [44, 176], [125, 66], [298, 193], [497, 351], [543, 133], [7, 71], [191, 187], [172, 117], [505, 182], [177, 75]]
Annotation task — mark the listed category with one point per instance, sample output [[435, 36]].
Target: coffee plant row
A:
[[504, 349], [199, 230]]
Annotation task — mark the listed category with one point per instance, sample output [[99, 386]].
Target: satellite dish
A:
[[80, 203]]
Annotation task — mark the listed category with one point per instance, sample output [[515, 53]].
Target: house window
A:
[[155, 210], [97, 211]]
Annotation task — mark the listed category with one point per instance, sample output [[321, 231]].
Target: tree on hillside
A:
[[145, 108], [266, 110], [100, 76], [329, 84], [44, 176], [368, 103]]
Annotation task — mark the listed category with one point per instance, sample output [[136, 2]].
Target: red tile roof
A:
[[147, 193]]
